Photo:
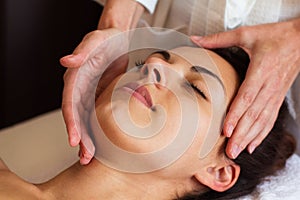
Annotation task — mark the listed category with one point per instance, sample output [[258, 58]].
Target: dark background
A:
[[34, 35]]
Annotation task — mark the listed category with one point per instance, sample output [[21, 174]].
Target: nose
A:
[[154, 73]]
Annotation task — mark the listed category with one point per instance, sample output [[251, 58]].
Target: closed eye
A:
[[200, 92], [139, 63]]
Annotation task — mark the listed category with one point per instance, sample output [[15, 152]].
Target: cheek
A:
[[180, 168], [163, 123], [192, 155]]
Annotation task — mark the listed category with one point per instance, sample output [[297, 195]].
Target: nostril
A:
[[157, 75]]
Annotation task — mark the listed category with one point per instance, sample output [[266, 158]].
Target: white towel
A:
[[284, 185]]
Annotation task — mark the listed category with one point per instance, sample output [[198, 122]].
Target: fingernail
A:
[[252, 147], [235, 151], [229, 130], [196, 37], [84, 160]]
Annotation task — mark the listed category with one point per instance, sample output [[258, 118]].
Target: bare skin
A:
[[114, 16], [97, 181], [273, 50], [274, 65]]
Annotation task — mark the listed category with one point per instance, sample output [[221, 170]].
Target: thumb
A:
[[218, 40], [72, 60]]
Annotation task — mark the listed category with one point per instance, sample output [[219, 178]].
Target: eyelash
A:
[[200, 92], [139, 63]]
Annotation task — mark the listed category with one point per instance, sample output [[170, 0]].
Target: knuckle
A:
[[252, 114], [248, 97], [242, 33], [91, 34], [264, 118], [232, 117], [243, 144]]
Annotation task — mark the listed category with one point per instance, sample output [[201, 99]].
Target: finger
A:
[[85, 154], [244, 98], [246, 130], [72, 61], [71, 125], [248, 91], [86, 145], [240, 140], [261, 102], [90, 43], [262, 135], [85, 49], [221, 40], [273, 110], [260, 126], [67, 107]]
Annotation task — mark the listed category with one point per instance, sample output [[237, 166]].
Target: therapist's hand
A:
[[116, 16], [274, 64], [92, 55]]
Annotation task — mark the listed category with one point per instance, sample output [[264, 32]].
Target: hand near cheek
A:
[[91, 56], [274, 65]]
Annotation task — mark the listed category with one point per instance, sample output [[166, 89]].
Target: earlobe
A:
[[219, 178]]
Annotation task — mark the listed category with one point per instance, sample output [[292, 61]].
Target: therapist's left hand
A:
[[274, 65], [93, 57]]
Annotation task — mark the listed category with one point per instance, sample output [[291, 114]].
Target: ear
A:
[[219, 178]]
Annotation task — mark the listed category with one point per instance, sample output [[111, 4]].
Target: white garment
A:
[[148, 4], [204, 17]]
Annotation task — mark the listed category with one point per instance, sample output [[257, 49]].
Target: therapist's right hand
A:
[[94, 52]]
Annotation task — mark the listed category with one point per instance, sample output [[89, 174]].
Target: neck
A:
[[96, 181]]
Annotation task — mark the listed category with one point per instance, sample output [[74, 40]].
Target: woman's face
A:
[[143, 111]]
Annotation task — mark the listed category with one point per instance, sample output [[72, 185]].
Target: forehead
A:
[[195, 56]]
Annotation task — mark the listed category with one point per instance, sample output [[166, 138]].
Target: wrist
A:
[[123, 15]]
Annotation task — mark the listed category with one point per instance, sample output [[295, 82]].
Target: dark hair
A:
[[268, 157]]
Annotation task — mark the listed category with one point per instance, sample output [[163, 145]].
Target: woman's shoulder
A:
[[13, 187]]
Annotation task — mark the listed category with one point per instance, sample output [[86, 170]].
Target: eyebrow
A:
[[200, 69], [166, 55]]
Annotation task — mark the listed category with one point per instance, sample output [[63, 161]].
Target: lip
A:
[[140, 93]]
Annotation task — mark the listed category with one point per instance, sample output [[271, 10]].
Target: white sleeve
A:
[[148, 4]]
